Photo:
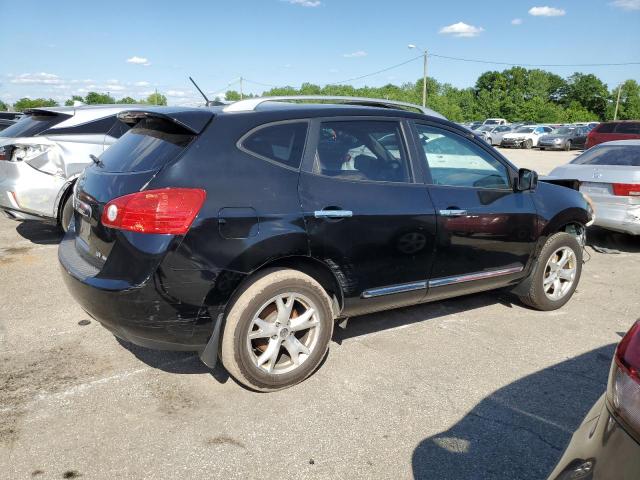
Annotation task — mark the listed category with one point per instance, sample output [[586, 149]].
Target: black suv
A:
[[244, 231]]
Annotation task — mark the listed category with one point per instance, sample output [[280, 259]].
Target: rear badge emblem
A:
[[83, 208], [597, 174]]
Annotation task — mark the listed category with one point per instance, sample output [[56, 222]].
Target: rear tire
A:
[[552, 287], [266, 343], [66, 213]]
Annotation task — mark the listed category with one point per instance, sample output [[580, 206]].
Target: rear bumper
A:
[[27, 193], [149, 314], [620, 218], [599, 449]]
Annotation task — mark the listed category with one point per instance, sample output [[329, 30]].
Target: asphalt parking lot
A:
[[477, 387]]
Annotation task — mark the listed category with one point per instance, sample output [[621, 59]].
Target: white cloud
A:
[[461, 29], [546, 12], [41, 78], [139, 61], [142, 84], [516, 21], [114, 87], [627, 4], [176, 93], [359, 53], [305, 3]]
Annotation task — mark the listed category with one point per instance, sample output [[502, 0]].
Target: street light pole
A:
[[424, 74]]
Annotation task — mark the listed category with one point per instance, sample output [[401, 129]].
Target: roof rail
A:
[[251, 104]]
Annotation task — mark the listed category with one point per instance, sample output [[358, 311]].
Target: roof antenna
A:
[[208, 103]]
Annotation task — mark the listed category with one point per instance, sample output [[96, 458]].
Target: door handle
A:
[[332, 213], [453, 213]]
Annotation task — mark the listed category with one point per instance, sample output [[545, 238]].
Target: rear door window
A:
[[362, 150], [631, 128], [149, 145], [33, 124], [282, 143]]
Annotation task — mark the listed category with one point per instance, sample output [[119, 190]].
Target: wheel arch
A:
[[63, 194]]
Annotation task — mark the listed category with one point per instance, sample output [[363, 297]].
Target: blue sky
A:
[[56, 49]]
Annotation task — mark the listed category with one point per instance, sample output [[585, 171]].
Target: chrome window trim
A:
[[469, 277]]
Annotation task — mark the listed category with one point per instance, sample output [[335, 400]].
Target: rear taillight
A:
[[626, 189], [5, 153], [624, 381], [164, 211]]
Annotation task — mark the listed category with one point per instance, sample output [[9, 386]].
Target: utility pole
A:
[[240, 88], [615, 114], [424, 81], [425, 54]]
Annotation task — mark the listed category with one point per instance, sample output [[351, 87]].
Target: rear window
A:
[[629, 128], [149, 145], [32, 125], [605, 128], [621, 155], [282, 143]]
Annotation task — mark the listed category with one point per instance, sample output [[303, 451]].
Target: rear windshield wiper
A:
[[96, 160]]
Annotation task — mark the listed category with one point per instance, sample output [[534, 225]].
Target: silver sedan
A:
[[492, 134], [609, 174]]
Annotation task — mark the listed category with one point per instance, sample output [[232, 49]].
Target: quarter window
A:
[[282, 143], [365, 150], [457, 162]]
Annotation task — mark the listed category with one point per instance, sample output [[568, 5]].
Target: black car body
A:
[[8, 118], [564, 138], [295, 186], [607, 443]]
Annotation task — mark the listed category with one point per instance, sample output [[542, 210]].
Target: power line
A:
[[491, 62], [377, 72]]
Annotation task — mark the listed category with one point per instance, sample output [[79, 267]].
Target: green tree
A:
[[25, 103], [128, 100], [629, 108], [587, 90], [95, 98], [156, 99], [233, 96], [3, 106], [74, 98]]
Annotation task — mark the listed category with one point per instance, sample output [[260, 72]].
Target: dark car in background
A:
[[244, 231], [8, 118], [607, 444], [564, 138], [609, 131]]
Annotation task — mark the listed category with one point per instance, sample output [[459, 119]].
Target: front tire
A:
[[528, 144], [556, 274], [277, 330], [567, 146]]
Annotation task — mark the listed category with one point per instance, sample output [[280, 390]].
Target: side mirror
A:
[[527, 180]]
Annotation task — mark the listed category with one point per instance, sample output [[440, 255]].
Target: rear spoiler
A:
[[44, 111], [194, 120], [563, 182]]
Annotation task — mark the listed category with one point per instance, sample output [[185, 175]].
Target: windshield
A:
[[524, 130], [32, 125], [563, 131], [621, 155], [491, 122], [485, 128]]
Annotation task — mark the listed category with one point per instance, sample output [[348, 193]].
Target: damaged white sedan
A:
[[609, 174], [43, 154]]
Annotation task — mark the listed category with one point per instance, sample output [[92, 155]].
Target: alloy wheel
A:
[[283, 333], [559, 273]]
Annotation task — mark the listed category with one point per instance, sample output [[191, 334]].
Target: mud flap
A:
[[209, 356]]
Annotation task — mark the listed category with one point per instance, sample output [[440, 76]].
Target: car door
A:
[[580, 137], [367, 213], [486, 231]]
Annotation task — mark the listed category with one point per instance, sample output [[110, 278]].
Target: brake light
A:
[[624, 381], [5, 153], [164, 211], [626, 189]]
